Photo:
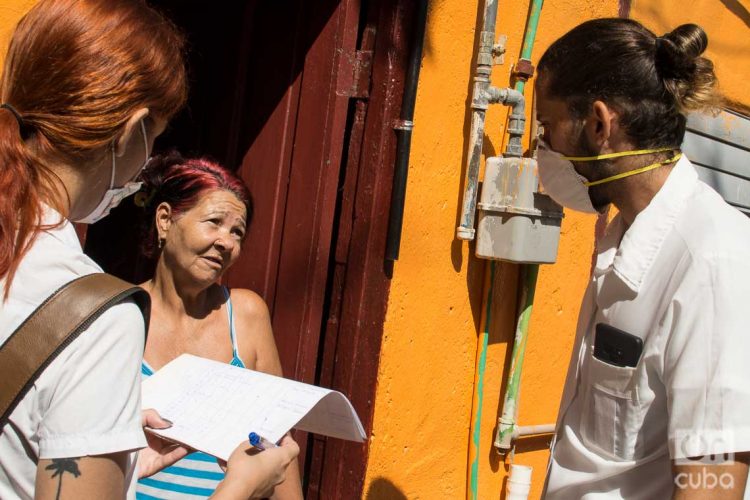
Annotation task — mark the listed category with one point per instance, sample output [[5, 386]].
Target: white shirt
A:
[[678, 278], [87, 401]]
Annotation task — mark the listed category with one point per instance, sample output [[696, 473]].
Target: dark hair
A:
[[653, 81], [75, 72], [181, 183]]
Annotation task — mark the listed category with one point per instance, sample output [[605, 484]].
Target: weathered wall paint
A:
[[423, 404]]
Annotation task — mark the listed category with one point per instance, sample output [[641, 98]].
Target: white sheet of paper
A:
[[214, 406]]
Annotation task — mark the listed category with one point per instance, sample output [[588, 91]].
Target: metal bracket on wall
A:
[[403, 124], [498, 50]]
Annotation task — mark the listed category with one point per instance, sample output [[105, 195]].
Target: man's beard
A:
[[594, 171]]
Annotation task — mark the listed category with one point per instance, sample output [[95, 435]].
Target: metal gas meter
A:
[[517, 223]]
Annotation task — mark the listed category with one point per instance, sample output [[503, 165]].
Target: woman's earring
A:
[[161, 243]]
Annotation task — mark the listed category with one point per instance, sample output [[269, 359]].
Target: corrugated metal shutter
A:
[[719, 147]]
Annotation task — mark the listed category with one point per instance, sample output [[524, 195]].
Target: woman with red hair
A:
[[196, 215], [86, 88]]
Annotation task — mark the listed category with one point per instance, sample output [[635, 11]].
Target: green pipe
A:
[[479, 389], [529, 274], [532, 23]]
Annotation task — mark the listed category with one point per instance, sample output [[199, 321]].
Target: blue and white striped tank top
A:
[[197, 475]]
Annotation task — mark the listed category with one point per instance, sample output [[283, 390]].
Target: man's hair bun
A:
[[688, 76]]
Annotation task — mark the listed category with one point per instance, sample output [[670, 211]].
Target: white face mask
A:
[[570, 189], [113, 196], [561, 181]]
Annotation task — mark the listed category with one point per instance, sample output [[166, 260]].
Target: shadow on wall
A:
[[739, 10], [383, 489]]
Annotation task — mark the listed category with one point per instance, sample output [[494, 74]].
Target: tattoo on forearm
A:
[[60, 466]]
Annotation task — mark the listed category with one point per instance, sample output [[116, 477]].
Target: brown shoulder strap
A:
[[55, 324]]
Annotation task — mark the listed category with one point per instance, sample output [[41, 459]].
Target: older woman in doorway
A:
[[196, 218]]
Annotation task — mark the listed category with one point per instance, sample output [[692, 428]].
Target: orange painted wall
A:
[[10, 12], [727, 24], [419, 447], [423, 406]]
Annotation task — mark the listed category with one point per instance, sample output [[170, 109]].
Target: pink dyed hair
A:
[[182, 183]]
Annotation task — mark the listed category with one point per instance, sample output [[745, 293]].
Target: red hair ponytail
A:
[[76, 71], [20, 203]]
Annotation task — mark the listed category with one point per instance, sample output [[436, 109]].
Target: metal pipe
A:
[[483, 95], [506, 425], [479, 104], [529, 272], [532, 23], [517, 121], [403, 130]]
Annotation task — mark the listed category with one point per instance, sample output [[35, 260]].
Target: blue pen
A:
[[258, 441]]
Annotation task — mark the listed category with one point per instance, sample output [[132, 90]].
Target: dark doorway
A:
[[298, 97], [261, 102]]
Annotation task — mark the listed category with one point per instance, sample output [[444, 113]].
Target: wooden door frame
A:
[[359, 280], [344, 283], [295, 182]]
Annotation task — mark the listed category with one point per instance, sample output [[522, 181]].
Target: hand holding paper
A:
[[214, 405]]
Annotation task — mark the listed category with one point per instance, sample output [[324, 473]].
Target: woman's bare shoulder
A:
[[249, 304], [256, 341]]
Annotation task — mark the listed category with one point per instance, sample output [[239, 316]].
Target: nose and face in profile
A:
[[556, 124], [206, 240], [578, 136]]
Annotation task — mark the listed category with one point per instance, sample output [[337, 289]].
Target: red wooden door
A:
[[292, 168], [270, 90], [359, 284], [300, 97]]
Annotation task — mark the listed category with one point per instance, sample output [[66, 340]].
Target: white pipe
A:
[[531, 430], [519, 482]]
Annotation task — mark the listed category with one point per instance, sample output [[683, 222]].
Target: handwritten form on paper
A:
[[214, 406]]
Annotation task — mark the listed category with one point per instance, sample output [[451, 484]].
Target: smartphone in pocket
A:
[[617, 347]]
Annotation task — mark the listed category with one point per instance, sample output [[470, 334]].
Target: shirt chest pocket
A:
[[612, 412]]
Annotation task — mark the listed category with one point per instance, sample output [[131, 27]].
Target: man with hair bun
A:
[[656, 399]]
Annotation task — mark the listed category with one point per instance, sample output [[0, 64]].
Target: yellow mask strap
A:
[[616, 155], [634, 172]]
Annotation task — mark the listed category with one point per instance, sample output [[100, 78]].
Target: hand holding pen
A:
[[259, 442], [251, 474]]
